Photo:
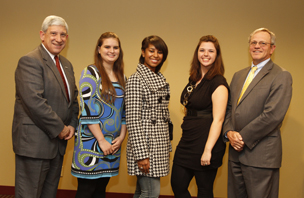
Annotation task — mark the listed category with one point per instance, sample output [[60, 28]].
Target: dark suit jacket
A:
[[41, 105], [259, 115]]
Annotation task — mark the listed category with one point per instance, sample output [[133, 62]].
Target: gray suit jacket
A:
[[258, 116], [41, 105]]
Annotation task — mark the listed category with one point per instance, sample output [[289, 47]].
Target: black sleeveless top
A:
[[196, 128]]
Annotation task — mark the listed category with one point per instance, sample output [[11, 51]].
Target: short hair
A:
[[159, 44], [53, 20], [218, 65], [118, 68], [272, 35]]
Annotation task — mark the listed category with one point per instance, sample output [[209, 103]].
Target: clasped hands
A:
[[236, 140], [67, 132], [108, 148]]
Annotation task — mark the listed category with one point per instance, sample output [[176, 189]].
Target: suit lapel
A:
[[264, 71], [50, 64]]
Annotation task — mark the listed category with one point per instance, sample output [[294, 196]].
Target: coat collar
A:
[[154, 81]]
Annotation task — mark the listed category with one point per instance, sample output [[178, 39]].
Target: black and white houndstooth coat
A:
[[147, 115]]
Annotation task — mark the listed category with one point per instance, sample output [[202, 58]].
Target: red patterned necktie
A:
[[61, 74]]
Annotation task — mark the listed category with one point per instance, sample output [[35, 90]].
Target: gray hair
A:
[[272, 35], [53, 20]]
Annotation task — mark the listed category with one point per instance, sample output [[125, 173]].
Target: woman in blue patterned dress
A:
[[102, 128]]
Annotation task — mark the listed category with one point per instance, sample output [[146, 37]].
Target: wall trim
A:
[[61, 193], [7, 190], [10, 190]]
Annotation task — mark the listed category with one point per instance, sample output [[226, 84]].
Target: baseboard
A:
[[7, 190], [10, 190]]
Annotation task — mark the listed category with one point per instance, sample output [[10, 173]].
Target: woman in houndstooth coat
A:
[[147, 117]]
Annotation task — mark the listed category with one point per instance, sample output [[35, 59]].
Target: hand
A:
[[65, 131], [71, 133], [105, 146], [116, 144], [205, 159], [236, 140], [144, 165]]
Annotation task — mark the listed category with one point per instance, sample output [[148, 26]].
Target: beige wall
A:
[[180, 23]]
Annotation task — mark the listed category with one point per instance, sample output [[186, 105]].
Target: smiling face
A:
[[109, 51], [257, 52], [153, 57], [54, 39], [206, 54]]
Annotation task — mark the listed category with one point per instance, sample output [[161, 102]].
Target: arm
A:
[[228, 134], [118, 141], [219, 103], [137, 137], [74, 106], [227, 125], [105, 146], [89, 84], [30, 82]]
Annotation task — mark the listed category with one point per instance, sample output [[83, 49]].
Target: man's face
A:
[[54, 39], [258, 52]]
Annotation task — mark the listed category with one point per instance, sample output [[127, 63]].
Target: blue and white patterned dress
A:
[[88, 159]]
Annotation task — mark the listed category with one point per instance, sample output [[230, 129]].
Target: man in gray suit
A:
[[45, 114], [260, 97]]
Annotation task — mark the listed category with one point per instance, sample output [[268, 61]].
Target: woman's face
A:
[[206, 54], [109, 50], [153, 57]]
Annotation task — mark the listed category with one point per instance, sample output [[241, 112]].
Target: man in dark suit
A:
[[45, 114], [260, 97]]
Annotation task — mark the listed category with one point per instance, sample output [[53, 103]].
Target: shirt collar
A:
[[261, 64]]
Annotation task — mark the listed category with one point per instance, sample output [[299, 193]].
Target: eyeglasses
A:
[[261, 43], [190, 89]]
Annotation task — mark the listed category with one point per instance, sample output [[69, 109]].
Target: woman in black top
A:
[[200, 150]]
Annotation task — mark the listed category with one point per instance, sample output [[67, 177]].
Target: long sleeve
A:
[[90, 101], [30, 92], [137, 136]]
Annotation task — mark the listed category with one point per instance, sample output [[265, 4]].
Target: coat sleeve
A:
[[275, 108], [137, 137], [90, 99], [75, 104], [123, 118], [227, 125]]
